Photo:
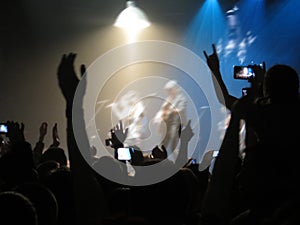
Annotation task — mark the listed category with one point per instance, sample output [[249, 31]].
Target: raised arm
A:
[[118, 136], [55, 137], [87, 193], [186, 135], [218, 201], [39, 146], [214, 66]]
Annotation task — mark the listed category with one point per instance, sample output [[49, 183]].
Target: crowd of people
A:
[[40, 185]]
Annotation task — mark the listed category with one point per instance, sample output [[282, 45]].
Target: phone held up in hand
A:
[[3, 128], [244, 72]]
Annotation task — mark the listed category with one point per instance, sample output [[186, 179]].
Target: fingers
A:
[[63, 59], [18, 126], [188, 124], [67, 59], [126, 132], [205, 54], [44, 125], [214, 49], [71, 58], [82, 70], [121, 125], [54, 131], [117, 127], [264, 65], [43, 129]]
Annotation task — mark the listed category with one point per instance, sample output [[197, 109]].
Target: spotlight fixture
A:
[[132, 18]]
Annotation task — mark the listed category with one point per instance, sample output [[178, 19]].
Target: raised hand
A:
[[55, 137], [86, 188], [214, 65], [43, 131], [67, 77], [118, 135], [15, 132], [213, 59]]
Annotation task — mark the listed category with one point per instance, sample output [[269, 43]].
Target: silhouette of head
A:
[[42, 199], [56, 154], [45, 169], [281, 83], [16, 209]]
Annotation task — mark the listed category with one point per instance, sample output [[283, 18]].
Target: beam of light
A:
[[266, 32], [251, 16], [235, 32], [207, 27], [132, 35]]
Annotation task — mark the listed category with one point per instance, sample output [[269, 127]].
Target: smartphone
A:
[[3, 128], [243, 72], [124, 154]]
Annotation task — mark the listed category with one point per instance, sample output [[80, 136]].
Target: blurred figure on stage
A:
[[131, 111], [171, 116]]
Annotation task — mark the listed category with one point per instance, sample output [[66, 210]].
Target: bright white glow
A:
[[132, 19], [132, 35]]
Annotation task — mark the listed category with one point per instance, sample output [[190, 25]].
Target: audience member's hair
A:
[[16, 209], [43, 200], [55, 153], [281, 83], [46, 168], [60, 184]]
